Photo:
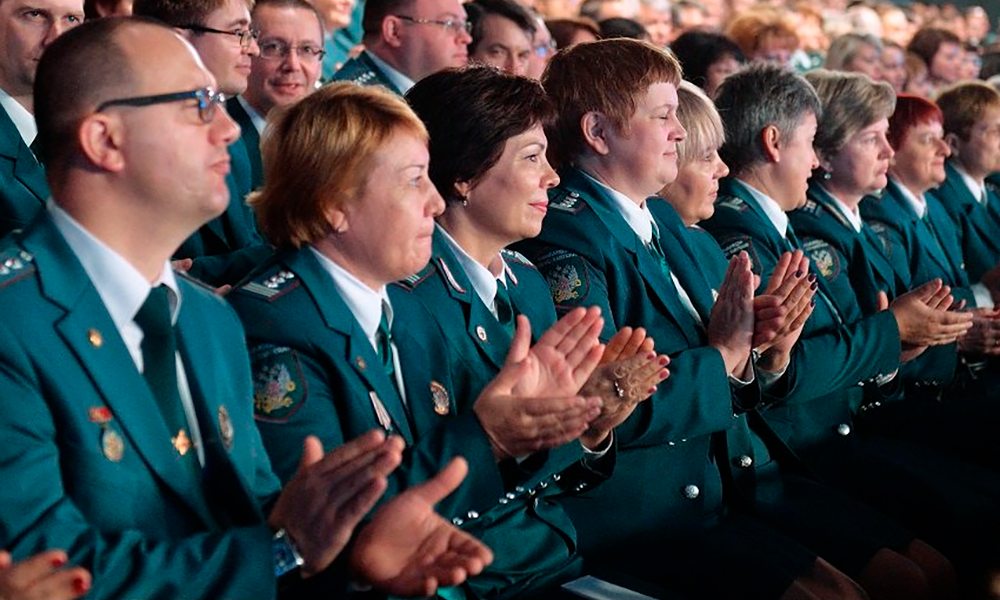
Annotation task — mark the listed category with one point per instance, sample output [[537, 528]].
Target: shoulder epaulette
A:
[[566, 201], [517, 257], [732, 202], [15, 264], [364, 78], [271, 284], [416, 279], [811, 207]]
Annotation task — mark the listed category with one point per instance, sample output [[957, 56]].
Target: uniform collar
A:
[[918, 204], [364, 303], [639, 219], [258, 120], [402, 82], [976, 188], [772, 209], [852, 216], [121, 286], [482, 279], [22, 119]]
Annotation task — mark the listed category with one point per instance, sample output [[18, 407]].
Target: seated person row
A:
[[127, 389], [663, 516], [769, 147], [855, 140], [336, 350]]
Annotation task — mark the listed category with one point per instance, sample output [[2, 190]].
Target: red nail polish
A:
[[58, 562], [80, 585]]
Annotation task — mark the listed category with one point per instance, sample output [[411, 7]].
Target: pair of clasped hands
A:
[[772, 322]]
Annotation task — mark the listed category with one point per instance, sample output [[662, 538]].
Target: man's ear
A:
[[100, 139], [392, 31]]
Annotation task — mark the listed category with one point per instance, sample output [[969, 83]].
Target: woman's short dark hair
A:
[[699, 50], [754, 98], [470, 113]]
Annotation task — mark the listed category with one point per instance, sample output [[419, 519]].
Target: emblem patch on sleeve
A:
[[823, 257], [566, 275], [884, 236], [279, 388], [733, 246]]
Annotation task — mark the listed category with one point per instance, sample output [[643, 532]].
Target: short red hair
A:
[[911, 111]]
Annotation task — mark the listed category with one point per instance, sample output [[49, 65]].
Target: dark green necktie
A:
[[159, 359], [383, 346], [505, 309], [656, 249]]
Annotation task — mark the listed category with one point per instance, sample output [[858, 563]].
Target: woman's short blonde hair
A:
[[851, 102], [698, 116], [317, 154]]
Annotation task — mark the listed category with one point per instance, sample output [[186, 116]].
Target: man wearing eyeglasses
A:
[[127, 413], [407, 41], [286, 70], [225, 249], [27, 27]]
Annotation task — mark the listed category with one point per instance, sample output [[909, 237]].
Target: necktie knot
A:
[[154, 315], [504, 307]]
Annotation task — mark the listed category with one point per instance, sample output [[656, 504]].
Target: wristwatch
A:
[[286, 556]]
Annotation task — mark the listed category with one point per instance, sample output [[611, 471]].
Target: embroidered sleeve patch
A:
[[734, 245], [884, 236], [824, 257], [279, 388], [566, 274]]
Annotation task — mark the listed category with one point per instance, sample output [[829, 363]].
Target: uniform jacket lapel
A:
[[109, 364], [360, 354], [481, 325], [664, 289], [682, 257], [237, 503], [27, 170]]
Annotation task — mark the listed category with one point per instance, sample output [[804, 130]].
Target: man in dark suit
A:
[[23, 189], [405, 42], [226, 248], [286, 70], [127, 414]]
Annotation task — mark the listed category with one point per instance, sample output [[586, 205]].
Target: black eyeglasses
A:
[[208, 99], [246, 35], [454, 27]]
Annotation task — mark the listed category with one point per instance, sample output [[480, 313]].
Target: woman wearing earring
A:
[[841, 347], [606, 241], [852, 536], [336, 351]]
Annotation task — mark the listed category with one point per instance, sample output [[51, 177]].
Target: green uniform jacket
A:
[[228, 247], [23, 188], [363, 71], [978, 225], [250, 140], [836, 352], [928, 248], [942, 500], [315, 373], [533, 541], [856, 269], [88, 462], [667, 483], [781, 491]]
